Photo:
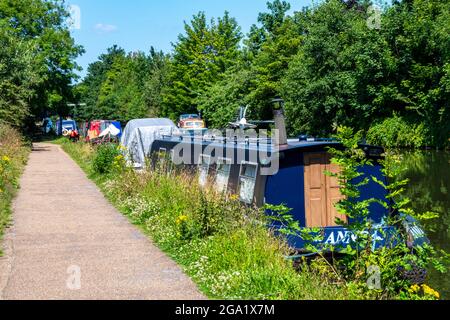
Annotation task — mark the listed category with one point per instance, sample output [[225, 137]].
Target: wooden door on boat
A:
[[321, 191]]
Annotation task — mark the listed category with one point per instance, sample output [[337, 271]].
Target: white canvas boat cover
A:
[[111, 130], [140, 134]]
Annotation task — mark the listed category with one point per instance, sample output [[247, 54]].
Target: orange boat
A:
[[192, 123]]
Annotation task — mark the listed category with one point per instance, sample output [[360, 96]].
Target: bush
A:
[[396, 132], [106, 158]]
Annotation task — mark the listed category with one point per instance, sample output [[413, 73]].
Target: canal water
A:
[[429, 190]]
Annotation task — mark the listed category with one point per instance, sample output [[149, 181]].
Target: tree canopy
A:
[[37, 59], [334, 63]]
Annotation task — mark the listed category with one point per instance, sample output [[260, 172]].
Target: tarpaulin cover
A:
[[112, 130], [101, 128], [140, 134], [94, 130], [118, 126], [66, 125]]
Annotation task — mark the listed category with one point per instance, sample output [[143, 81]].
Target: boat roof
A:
[[258, 145], [251, 144]]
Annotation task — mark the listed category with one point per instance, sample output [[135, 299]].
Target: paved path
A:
[[64, 228]]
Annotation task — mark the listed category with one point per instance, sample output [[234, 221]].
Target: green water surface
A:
[[429, 190]]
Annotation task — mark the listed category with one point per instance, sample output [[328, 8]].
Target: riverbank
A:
[[13, 157]]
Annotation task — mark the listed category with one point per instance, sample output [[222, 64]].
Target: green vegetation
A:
[[37, 57], [13, 156], [105, 158], [388, 261], [335, 63], [396, 132]]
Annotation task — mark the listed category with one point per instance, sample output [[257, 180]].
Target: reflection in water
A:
[[429, 190]]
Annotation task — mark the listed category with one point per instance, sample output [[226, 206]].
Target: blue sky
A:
[[140, 24]]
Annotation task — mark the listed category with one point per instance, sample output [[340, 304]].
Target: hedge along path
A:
[[68, 242]]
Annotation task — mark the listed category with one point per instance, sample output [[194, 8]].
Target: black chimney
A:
[[280, 120]]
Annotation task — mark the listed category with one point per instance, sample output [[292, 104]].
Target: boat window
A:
[[223, 174], [203, 167], [247, 181], [194, 124]]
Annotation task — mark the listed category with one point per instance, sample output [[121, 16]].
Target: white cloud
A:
[[105, 28]]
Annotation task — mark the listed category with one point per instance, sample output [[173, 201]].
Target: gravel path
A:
[[68, 242]]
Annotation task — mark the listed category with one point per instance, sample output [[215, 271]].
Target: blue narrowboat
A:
[[289, 172], [297, 181]]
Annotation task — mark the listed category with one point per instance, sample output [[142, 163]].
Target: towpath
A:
[[68, 242]]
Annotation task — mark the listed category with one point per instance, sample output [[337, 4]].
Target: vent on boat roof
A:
[[313, 139], [280, 121]]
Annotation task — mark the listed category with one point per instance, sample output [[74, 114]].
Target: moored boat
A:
[[275, 170]]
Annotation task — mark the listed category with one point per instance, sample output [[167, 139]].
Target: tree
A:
[[270, 23], [43, 23], [19, 76], [88, 90], [417, 33], [156, 82], [201, 57], [123, 86], [220, 103], [329, 64], [348, 74], [272, 60], [256, 78], [335, 78]]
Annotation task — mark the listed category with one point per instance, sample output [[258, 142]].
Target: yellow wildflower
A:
[[182, 219], [430, 292], [414, 289], [6, 159], [234, 197]]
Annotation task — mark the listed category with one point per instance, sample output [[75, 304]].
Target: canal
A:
[[429, 190]]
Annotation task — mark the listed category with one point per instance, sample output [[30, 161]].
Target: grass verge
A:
[[13, 156]]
